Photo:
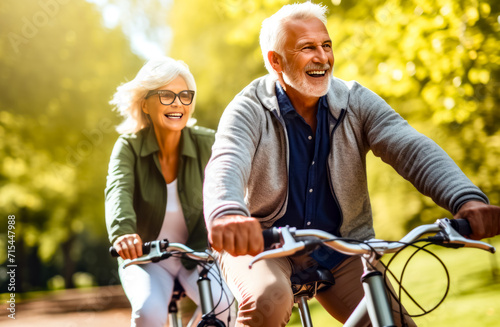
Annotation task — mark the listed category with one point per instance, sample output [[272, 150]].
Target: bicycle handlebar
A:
[[158, 250], [288, 241]]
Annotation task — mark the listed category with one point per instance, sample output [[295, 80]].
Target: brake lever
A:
[[154, 255], [453, 237], [289, 247]]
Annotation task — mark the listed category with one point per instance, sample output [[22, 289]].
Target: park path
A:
[[93, 307]]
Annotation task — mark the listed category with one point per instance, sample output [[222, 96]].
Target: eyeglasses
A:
[[167, 97]]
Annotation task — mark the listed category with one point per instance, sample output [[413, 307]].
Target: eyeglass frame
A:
[[176, 95]]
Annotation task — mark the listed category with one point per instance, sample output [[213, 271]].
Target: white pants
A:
[[149, 288]]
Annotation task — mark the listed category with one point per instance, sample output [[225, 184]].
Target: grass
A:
[[473, 298]]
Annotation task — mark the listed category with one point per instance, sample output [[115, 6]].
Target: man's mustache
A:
[[317, 67]]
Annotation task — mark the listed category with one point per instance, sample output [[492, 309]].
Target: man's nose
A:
[[320, 55]]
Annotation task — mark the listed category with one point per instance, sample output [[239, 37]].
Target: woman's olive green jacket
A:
[[136, 192]]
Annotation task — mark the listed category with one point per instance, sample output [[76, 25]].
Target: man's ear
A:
[[275, 61]]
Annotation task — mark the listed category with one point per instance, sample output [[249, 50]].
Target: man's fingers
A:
[[484, 219], [215, 237], [476, 225], [241, 244], [237, 235], [228, 241], [216, 242], [256, 243]]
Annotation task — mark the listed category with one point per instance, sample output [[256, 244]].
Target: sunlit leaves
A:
[[56, 126]]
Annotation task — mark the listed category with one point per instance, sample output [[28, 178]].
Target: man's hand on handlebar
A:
[[129, 246], [237, 235], [483, 218]]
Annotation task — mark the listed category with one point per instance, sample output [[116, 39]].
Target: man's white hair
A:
[[155, 73], [272, 33]]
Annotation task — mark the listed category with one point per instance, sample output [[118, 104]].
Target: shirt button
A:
[[312, 163], [309, 137], [308, 223], [310, 190]]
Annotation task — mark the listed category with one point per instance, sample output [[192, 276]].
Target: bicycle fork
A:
[[378, 306], [206, 301], [375, 302]]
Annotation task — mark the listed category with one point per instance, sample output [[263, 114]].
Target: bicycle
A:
[[158, 250], [286, 241]]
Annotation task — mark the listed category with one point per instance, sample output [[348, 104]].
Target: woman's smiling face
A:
[[172, 117]]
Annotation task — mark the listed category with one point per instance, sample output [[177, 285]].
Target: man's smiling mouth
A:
[[316, 73]]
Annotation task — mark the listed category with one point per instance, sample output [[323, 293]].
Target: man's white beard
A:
[[302, 85]]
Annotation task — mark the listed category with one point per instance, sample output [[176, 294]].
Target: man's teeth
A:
[[317, 72], [174, 115]]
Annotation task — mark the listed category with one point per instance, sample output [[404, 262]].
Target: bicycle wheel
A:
[[211, 323]]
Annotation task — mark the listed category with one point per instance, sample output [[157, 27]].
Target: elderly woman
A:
[[154, 187]]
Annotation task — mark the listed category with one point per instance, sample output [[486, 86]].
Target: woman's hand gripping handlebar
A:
[[286, 241], [158, 250]]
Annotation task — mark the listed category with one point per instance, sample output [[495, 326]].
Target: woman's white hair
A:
[[155, 73], [273, 34]]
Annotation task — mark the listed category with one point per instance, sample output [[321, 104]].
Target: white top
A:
[[174, 226]]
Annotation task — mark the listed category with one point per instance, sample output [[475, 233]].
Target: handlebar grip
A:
[[271, 236], [146, 248], [113, 252], [462, 226]]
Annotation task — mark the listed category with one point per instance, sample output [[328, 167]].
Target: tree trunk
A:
[[69, 263]]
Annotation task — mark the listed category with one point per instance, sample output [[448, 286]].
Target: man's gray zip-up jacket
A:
[[248, 171]]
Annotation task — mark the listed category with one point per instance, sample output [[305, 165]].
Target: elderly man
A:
[[290, 150]]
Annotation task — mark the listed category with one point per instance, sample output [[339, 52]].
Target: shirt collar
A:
[[188, 147], [286, 106], [284, 103]]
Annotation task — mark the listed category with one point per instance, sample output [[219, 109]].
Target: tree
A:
[[60, 67]]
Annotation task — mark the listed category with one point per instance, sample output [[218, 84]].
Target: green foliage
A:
[[60, 67]]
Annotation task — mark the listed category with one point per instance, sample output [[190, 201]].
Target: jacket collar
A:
[[150, 144]]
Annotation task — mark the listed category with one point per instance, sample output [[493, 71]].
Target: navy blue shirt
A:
[[311, 203]]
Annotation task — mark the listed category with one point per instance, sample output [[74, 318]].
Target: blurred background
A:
[[437, 62]]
